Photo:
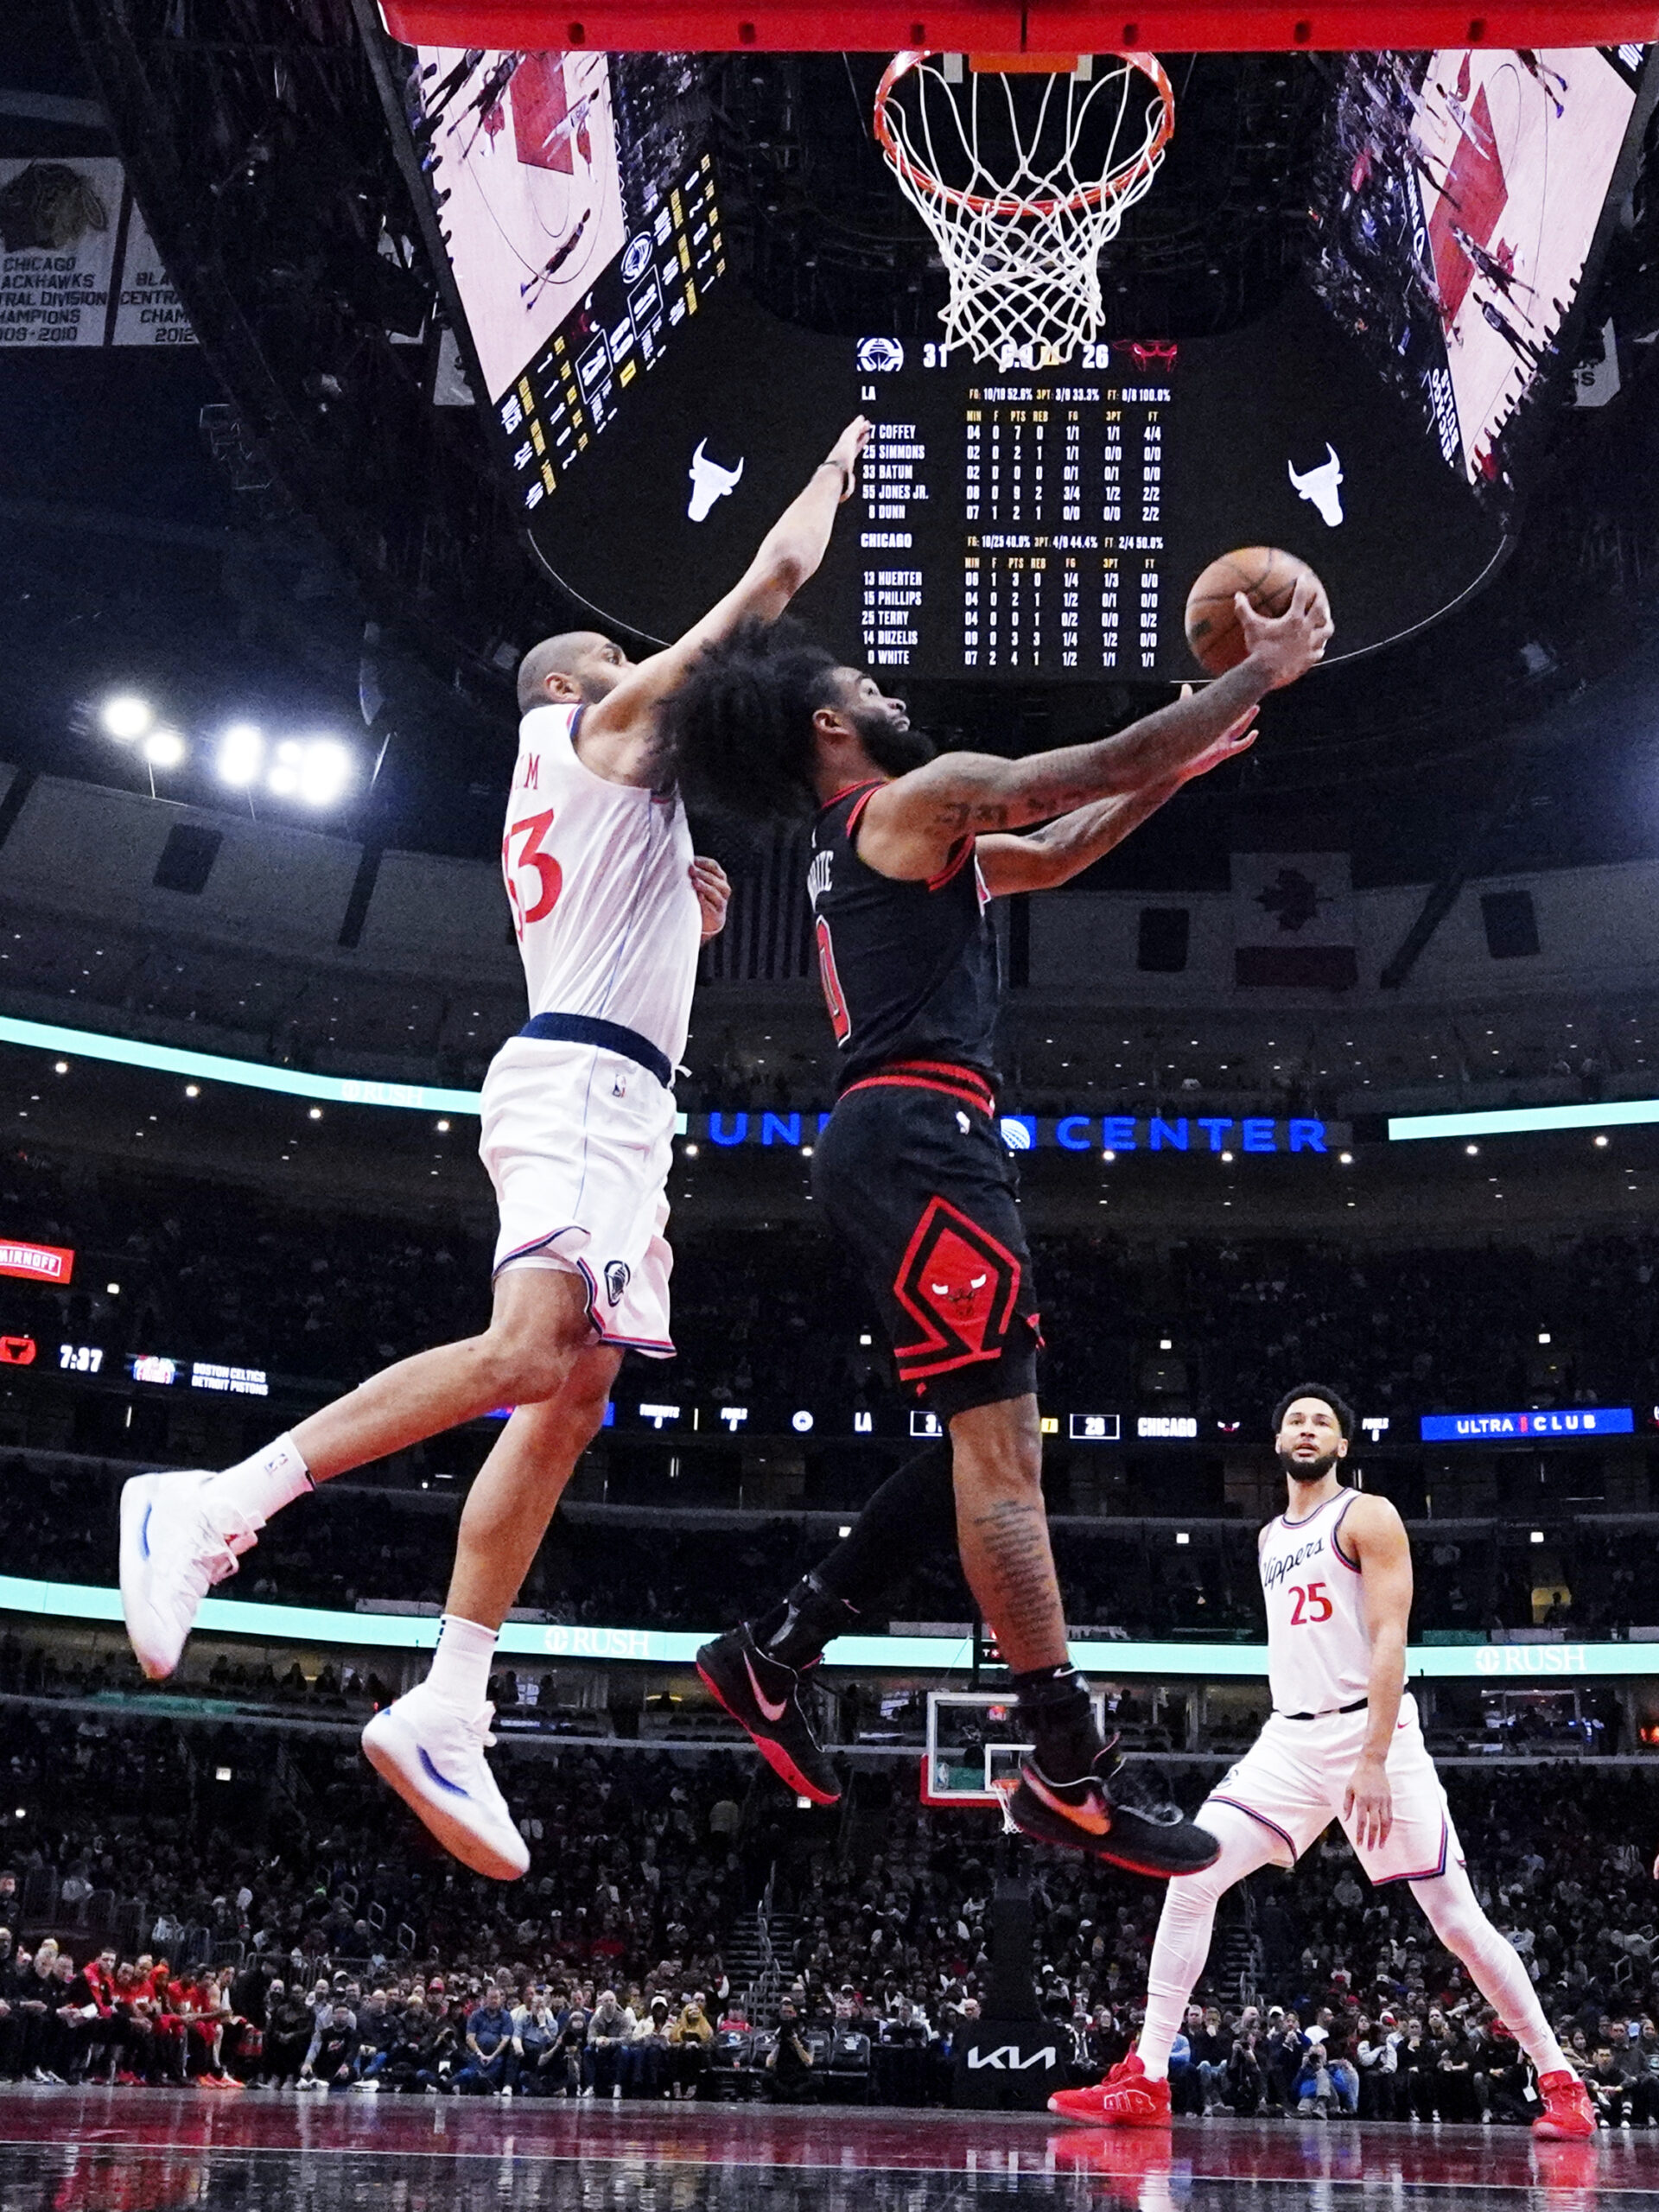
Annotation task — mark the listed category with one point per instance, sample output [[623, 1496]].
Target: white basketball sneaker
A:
[[177, 1539], [434, 1758]]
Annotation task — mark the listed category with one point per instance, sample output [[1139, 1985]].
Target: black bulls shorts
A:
[[915, 1178]]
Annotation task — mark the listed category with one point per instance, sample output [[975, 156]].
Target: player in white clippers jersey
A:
[[1342, 1742], [610, 905]]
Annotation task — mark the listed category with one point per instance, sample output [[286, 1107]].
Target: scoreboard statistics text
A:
[[1026, 537]]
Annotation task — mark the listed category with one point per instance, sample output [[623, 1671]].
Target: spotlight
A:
[[60, 1067], [126, 716], [1601, 1143], [192, 1091], [241, 755], [316, 1114], [164, 748], [285, 778], [325, 772]]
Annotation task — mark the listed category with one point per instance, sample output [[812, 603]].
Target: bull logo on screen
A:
[[961, 1287], [1322, 486], [709, 482]]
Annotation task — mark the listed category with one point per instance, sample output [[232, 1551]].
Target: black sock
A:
[[795, 1631], [910, 1519], [908, 1522], [1054, 1706]]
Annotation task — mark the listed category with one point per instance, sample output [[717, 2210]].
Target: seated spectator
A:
[[489, 2048], [329, 2059], [645, 2059], [688, 2038], [789, 2062], [609, 2033], [535, 2046], [1212, 2053]]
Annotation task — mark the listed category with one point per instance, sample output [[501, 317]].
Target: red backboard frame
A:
[[1058, 26]]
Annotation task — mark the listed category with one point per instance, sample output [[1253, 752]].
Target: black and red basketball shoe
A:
[[764, 1696], [1104, 1816]]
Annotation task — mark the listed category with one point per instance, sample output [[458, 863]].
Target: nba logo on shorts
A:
[[616, 1280]]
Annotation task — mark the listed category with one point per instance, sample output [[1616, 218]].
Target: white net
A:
[[1023, 180]]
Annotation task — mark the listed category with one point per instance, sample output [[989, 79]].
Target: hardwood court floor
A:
[[144, 2151]]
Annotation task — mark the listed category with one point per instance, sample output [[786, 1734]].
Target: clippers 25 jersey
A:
[[607, 922], [909, 971], [1318, 1647]]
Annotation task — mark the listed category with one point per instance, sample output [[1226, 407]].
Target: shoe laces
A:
[[1131, 1795], [214, 1552]]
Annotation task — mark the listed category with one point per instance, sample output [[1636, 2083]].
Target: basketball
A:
[[1265, 574]]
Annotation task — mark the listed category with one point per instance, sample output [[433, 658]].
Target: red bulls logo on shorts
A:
[[960, 1287]]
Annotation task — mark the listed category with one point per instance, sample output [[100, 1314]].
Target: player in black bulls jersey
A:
[[908, 850]]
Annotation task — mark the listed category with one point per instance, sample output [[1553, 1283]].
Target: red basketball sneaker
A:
[[1568, 2110], [1127, 2097]]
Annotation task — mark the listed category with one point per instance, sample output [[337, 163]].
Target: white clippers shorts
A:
[[1292, 1778], [578, 1141]]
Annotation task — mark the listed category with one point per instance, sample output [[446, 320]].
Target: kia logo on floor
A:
[[17, 1352]]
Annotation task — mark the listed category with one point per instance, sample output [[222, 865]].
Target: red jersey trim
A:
[[964, 853], [952, 1070], [868, 792], [963, 1095]]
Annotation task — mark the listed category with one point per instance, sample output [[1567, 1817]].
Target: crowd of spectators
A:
[[209, 1272], [354, 1545], [282, 1927]]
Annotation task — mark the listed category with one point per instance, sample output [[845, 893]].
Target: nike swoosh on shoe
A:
[[1090, 1818], [774, 1713]]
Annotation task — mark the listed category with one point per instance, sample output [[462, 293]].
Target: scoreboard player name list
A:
[[1044, 526]]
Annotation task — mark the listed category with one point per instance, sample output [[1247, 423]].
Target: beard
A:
[[1306, 1471], [895, 752]]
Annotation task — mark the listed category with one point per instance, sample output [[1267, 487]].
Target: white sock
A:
[[1186, 1926], [1178, 1951], [1494, 1966], [262, 1485], [460, 1665]]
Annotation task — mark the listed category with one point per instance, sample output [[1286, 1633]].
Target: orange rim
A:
[[1113, 187]]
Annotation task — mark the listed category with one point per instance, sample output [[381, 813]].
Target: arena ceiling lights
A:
[[317, 772]]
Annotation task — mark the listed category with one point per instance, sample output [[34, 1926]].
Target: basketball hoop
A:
[[1022, 195]]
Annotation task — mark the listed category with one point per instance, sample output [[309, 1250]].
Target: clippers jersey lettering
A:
[[1319, 1646], [909, 971], [607, 919]]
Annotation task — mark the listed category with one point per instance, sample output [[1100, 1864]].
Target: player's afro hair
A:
[[735, 735], [1341, 1406]]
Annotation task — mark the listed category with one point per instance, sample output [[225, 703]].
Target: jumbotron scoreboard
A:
[[1021, 519]]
